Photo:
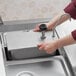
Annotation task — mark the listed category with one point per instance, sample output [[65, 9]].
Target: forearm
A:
[[67, 40], [53, 22]]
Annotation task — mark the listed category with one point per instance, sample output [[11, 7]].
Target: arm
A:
[[53, 22], [67, 40], [51, 46], [70, 9]]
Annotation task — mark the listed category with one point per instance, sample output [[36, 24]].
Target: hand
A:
[[49, 46], [36, 29]]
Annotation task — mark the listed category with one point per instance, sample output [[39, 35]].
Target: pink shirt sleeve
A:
[[71, 9]]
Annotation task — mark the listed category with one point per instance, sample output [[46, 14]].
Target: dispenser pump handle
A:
[[43, 27]]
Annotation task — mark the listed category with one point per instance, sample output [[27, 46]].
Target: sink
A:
[[45, 68], [22, 56]]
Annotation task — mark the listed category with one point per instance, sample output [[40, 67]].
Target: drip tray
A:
[[48, 68]]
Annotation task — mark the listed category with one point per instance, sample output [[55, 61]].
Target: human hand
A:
[[37, 29], [49, 46]]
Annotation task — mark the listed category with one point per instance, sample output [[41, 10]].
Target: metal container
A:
[[23, 44]]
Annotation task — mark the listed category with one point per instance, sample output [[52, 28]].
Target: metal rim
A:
[[25, 73]]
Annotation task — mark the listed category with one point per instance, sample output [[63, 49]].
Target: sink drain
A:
[[25, 73]]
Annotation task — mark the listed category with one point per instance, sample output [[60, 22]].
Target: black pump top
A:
[[43, 27]]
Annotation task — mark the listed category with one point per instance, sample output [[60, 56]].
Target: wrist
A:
[[67, 40], [50, 26], [59, 43]]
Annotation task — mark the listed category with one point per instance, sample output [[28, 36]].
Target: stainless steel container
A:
[[23, 44]]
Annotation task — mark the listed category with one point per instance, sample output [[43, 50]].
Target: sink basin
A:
[[48, 68]]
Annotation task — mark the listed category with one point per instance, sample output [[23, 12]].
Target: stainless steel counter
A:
[[63, 30]]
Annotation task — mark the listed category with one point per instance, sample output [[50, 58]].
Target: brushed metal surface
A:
[[23, 44], [48, 68], [24, 39]]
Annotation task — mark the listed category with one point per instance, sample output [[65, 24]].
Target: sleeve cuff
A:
[[71, 9], [74, 34]]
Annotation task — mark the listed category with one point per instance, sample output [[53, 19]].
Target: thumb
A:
[[36, 29], [40, 44]]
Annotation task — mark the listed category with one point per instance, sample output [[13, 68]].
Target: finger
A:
[[36, 28], [41, 48], [49, 51], [39, 45], [46, 48]]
